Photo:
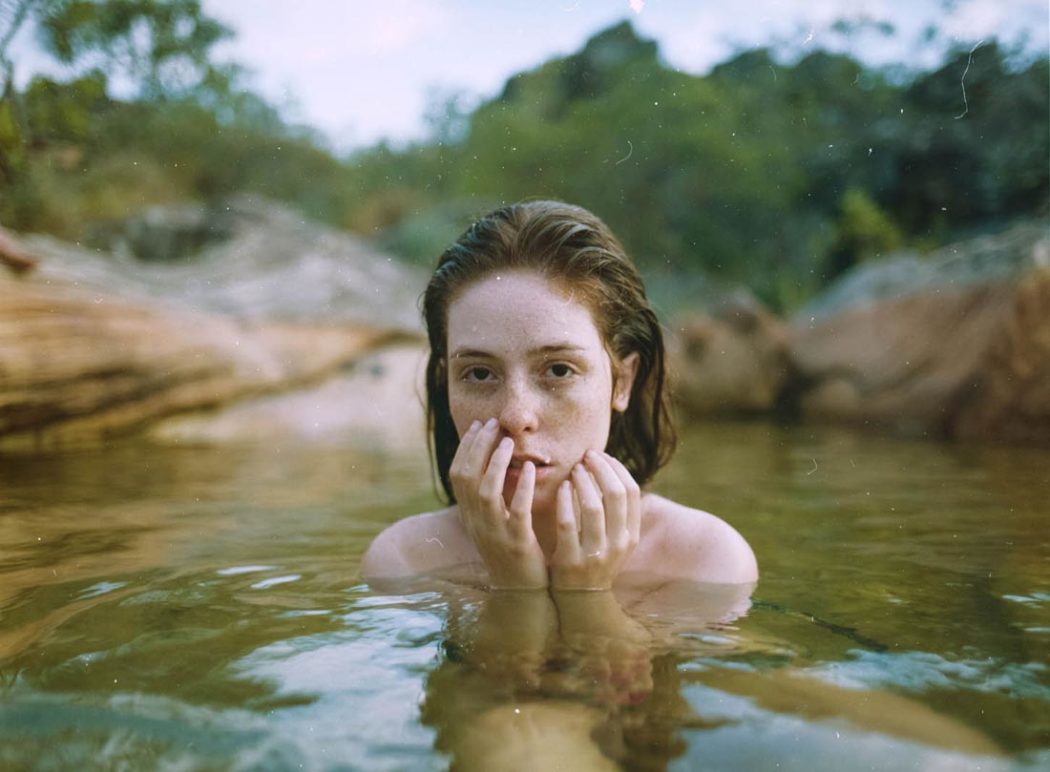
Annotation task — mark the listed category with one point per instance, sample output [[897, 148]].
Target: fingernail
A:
[[506, 442], [490, 424], [475, 425]]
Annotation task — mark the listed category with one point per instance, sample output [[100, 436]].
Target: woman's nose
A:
[[519, 413]]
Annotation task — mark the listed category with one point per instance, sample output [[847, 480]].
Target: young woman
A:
[[548, 415], [547, 408]]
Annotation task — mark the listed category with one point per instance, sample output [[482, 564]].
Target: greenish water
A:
[[199, 608]]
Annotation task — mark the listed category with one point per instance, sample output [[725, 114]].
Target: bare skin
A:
[[675, 542], [532, 389]]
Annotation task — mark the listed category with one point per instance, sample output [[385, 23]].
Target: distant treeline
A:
[[779, 176]]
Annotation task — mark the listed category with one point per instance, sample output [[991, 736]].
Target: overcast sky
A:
[[360, 71]]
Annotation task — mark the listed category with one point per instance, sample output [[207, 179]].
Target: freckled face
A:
[[523, 351]]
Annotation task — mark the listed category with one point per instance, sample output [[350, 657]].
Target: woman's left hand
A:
[[592, 549]]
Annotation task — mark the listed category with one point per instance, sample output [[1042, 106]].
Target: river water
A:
[[195, 607]]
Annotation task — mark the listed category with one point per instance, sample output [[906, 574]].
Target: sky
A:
[[361, 71]]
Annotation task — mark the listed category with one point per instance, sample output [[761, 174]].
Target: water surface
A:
[[200, 607]]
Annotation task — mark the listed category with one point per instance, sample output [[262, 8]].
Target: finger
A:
[[634, 496], [465, 443], [567, 547], [491, 488], [471, 432], [480, 451], [464, 484], [614, 494], [592, 513], [465, 462], [521, 503]]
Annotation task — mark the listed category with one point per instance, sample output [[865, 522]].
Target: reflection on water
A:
[[201, 607]]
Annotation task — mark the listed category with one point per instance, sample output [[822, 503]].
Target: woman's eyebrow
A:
[[546, 350], [557, 348], [472, 353]]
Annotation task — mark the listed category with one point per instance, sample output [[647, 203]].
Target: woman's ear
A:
[[623, 382]]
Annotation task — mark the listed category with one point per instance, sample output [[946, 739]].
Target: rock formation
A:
[[953, 345], [94, 343], [731, 360], [13, 255]]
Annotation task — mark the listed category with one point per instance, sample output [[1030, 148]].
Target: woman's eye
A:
[[477, 374], [560, 370]]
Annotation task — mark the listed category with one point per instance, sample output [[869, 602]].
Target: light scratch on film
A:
[[811, 471], [962, 81], [630, 150], [434, 539]]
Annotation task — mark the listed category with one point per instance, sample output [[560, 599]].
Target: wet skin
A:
[[531, 390]]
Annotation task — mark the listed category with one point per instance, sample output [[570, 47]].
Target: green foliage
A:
[[863, 231], [423, 235], [163, 47], [976, 146], [775, 174], [55, 138], [57, 112]]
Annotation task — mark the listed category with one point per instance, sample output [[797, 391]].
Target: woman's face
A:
[[525, 352]]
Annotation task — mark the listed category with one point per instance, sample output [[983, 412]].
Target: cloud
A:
[[975, 19], [702, 37], [394, 26]]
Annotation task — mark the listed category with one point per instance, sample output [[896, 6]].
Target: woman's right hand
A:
[[503, 535]]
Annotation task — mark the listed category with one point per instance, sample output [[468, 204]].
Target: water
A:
[[199, 608]]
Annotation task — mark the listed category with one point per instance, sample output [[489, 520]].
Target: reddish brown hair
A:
[[571, 246]]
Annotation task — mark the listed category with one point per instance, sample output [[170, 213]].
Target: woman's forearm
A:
[[613, 661], [595, 614], [514, 632]]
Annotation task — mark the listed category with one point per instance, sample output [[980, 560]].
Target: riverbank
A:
[[244, 321]]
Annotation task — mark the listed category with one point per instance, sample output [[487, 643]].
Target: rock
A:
[[169, 234], [377, 402], [248, 258], [1014, 400], [94, 343], [14, 255], [77, 364], [982, 261], [732, 360], [957, 345]]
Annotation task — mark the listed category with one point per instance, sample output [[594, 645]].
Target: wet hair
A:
[[572, 247]]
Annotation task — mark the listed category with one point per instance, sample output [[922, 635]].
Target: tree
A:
[[863, 231], [160, 47], [156, 50]]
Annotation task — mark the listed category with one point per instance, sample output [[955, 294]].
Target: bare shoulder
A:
[[693, 544], [417, 545]]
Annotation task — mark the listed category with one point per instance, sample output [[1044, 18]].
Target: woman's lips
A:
[[544, 470], [518, 460]]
